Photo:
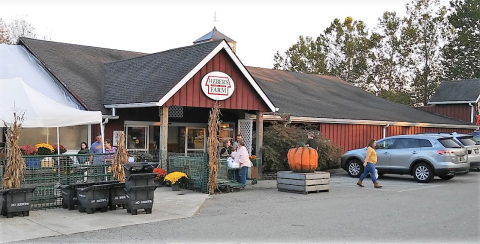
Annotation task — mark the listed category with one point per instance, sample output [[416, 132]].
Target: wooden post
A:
[[259, 140], [164, 136]]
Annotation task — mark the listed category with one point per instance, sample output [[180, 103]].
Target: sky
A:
[[260, 28]]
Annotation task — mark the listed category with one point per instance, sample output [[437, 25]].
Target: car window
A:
[[449, 143], [467, 140], [401, 143], [477, 139], [385, 144], [424, 143]]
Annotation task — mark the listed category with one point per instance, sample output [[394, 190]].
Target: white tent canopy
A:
[[40, 110], [16, 61]]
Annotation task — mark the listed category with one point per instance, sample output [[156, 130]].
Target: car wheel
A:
[[423, 173], [446, 177], [355, 168]]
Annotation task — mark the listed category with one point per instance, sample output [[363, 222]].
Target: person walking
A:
[[369, 164], [244, 162]]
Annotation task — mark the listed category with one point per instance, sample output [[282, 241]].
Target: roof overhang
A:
[[132, 105], [455, 102], [367, 122], [221, 46]]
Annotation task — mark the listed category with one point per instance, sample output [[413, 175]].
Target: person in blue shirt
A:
[[97, 147]]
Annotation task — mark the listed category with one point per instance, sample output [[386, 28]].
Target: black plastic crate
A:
[[144, 179], [69, 194], [140, 197], [17, 200], [2, 196], [118, 196], [93, 197], [138, 168]]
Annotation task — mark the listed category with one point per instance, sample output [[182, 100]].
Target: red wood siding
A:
[[350, 137], [454, 111], [112, 125], [244, 97]]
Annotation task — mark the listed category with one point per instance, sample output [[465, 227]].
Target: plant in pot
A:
[[144, 157], [45, 149], [16, 199], [31, 160], [159, 179], [176, 179]]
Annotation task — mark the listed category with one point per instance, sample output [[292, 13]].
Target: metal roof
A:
[[215, 35]]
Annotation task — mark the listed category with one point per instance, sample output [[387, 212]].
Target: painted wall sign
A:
[[217, 85]]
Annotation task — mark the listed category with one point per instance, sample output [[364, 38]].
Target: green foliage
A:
[[397, 97], [462, 53], [278, 139], [341, 51], [409, 55], [144, 157], [426, 32]]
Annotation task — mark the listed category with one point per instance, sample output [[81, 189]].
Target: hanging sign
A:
[[217, 85]]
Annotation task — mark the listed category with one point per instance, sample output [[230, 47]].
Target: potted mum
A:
[[176, 178], [254, 169], [45, 149], [159, 179], [29, 150]]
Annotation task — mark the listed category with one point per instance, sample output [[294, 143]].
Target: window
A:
[[137, 137], [467, 141], [385, 144], [402, 143], [424, 143], [449, 143]]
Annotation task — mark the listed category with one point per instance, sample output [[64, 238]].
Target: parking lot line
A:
[[388, 185]]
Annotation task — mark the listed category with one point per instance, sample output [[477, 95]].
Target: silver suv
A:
[[423, 156], [467, 141]]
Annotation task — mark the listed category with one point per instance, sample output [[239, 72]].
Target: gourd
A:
[[302, 159]]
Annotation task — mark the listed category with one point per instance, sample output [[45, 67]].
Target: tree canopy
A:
[[11, 31], [401, 59]]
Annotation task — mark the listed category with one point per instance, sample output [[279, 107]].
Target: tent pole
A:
[[58, 141], [103, 136]]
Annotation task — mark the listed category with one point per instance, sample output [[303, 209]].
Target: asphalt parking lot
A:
[[403, 211]]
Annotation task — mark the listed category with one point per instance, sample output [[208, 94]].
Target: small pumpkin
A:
[[303, 159]]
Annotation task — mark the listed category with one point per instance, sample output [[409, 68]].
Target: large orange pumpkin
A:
[[302, 159]]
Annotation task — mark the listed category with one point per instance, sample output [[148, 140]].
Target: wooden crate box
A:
[[303, 182]]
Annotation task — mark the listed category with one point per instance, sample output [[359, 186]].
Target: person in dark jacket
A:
[[311, 142], [226, 149], [83, 150]]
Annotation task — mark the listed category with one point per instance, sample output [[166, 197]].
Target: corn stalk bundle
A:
[[15, 170], [213, 127], [120, 158]]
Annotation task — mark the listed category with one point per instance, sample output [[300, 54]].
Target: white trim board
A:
[[368, 122]]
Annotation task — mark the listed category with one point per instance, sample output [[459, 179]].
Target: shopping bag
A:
[[231, 164], [376, 173]]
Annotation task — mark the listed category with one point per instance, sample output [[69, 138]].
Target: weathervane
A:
[[215, 17]]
